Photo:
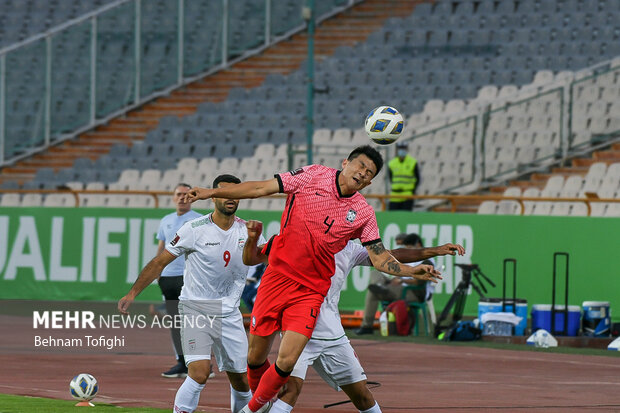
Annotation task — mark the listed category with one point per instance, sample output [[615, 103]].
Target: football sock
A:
[[187, 396], [281, 407], [255, 373], [273, 379], [373, 409], [238, 399]]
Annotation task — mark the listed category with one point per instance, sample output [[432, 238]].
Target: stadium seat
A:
[[59, 200], [487, 207], [32, 200], [553, 187], [129, 177], [10, 200], [117, 200], [140, 201], [506, 207], [542, 208]]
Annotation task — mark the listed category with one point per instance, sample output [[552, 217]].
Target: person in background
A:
[[171, 279], [385, 288], [404, 177]]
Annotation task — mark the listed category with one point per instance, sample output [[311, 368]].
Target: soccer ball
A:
[[384, 125], [83, 387]]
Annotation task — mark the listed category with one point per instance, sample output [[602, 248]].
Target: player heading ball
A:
[[324, 210]]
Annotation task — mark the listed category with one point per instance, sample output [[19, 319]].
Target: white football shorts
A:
[[226, 338], [335, 361]]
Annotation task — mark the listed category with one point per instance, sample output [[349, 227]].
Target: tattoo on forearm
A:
[[391, 265], [377, 248], [394, 266]]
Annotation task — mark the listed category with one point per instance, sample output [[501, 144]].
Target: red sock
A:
[[272, 381], [255, 373]]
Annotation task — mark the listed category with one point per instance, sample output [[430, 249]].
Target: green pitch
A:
[[25, 404]]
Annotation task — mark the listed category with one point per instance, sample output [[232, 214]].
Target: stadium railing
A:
[[454, 200], [90, 69]]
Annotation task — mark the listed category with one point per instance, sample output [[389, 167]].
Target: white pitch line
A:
[[460, 382], [30, 388], [524, 357]]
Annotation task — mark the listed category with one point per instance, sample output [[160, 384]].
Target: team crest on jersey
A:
[[253, 321], [351, 215], [192, 344], [241, 243], [175, 240]]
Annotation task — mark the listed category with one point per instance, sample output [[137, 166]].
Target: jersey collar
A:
[[338, 187]]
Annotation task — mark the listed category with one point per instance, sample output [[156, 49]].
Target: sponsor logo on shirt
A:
[[297, 171], [320, 194], [211, 244], [351, 215], [200, 222], [175, 240]]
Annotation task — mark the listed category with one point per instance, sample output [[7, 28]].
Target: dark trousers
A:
[[401, 206], [171, 289]]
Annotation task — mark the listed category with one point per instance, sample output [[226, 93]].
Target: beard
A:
[[221, 207]]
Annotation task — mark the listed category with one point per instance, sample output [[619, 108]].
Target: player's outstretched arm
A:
[[251, 252], [148, 274], [244, 190], [420, 254], [385, 262]]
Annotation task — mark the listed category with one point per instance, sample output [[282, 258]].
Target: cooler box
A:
[[494, 305], [596, 321], [541, 318]]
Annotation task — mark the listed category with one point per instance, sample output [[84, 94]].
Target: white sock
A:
[[187, 396], [281, 407], [373, 409], [238, 399]]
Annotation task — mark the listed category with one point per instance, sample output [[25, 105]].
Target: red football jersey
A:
[[317, 222]]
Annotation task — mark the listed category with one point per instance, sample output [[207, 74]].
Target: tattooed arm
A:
[[385, 262]]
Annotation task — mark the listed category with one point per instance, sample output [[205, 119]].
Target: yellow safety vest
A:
[[403, 177]]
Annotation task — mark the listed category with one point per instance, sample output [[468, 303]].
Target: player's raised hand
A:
[[123, 304], [451, 249], [426, 272], [255, 228], [197, 193]]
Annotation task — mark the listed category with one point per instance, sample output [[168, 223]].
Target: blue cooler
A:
[[541, 318], [596, 321], [494, 305]]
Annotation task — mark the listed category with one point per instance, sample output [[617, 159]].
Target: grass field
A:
[[25, 404]]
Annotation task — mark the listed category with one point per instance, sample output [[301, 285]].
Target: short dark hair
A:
[[370, 152], [400, 237], [413, 239], [226, 178], [183, 184]]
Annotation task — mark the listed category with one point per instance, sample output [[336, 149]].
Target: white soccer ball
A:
[[84, 387], [384, 125]]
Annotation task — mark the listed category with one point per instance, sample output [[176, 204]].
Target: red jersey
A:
[[317, 222]]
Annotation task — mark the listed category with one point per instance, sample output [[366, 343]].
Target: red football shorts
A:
[[283, 304]]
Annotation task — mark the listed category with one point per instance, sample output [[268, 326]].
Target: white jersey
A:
[[214, 268], [328, 325]]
